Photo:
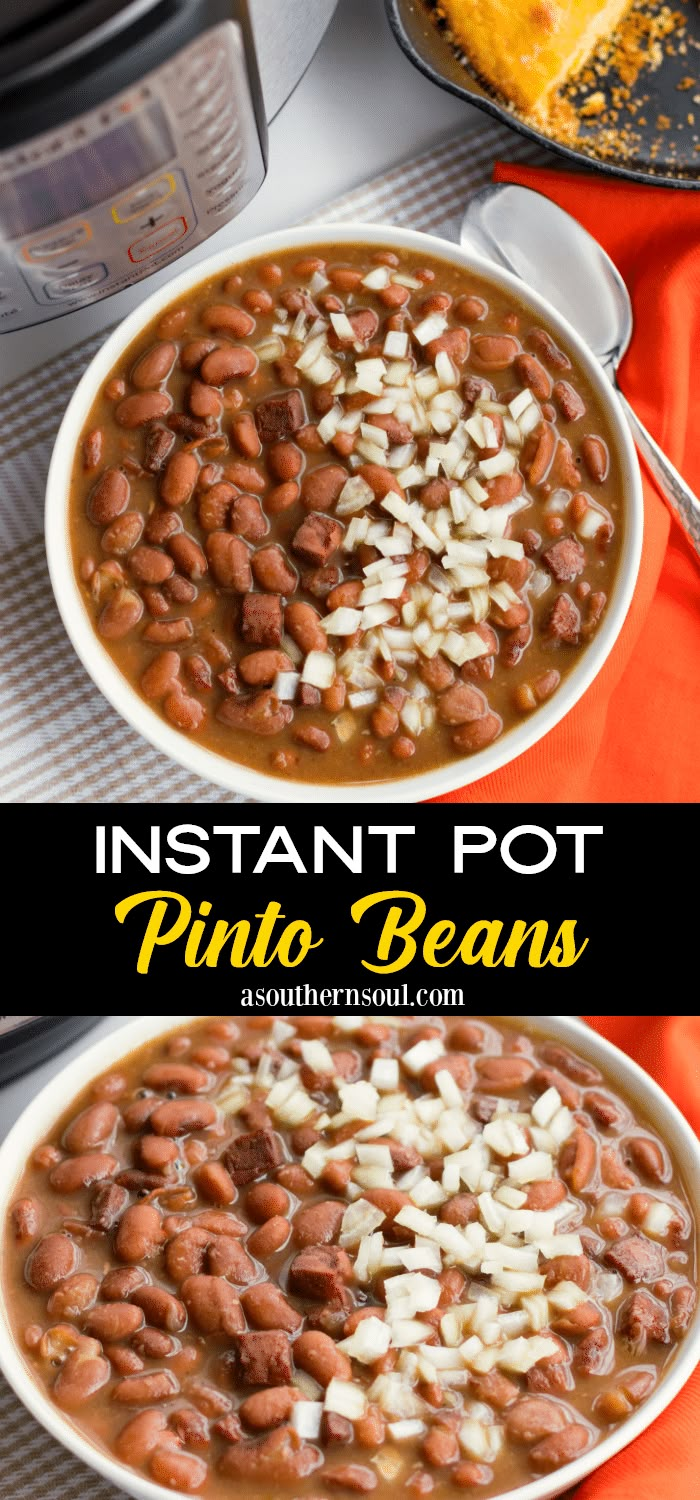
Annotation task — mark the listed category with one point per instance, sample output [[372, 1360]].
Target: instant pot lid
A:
[[34, 32], [286, 34]]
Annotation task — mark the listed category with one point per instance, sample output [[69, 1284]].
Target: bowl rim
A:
[[49, 1104], [230, 774]]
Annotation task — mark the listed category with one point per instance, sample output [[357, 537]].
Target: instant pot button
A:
[[64, 238], [144, 198], [76, 282], [159, 239]]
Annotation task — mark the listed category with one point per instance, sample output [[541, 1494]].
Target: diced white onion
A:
[[346, 1398], [319, 669]]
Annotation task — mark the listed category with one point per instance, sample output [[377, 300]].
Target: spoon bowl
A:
[[533, 237], [524, 232]]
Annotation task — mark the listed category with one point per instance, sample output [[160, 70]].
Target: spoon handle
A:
[[678, 495]]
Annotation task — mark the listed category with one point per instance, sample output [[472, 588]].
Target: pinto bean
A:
[[532, 374], [181, 1116], [284, 460], [605, 1110], [269, 1237], [154, 366], [578, 1320], [225, 1257], [460, 704], [185, 1252], [303, 624], [614, 1172], [123, 534], [223, 318], [312, 737], [158, 679], [212, 1304], [594, 453], [113, 1321], [214, 1182], [279, 1459], [370, 1429], [136, 411], [139, 1233], [263, 714], [73, 1296], [150, 565], [204, 401], [502, 1074], [318, 1224], [183, 711], [265, 1306], [533, 1418], [591, 1353], [260, 668], [470, 309], [245, 435], [454, 342], [266, 1200], [352, 1477], [472, 737], [495, 351], [576, 1268], [682, 1307], [228, 362], [496, 1389], [182, 1077], [268, 1408], [139, 1390], [321, 487], [649, 1158], [80, 1378], [179, 479], [561, 1447], [80, 1171], [161, 1308], [545, 1195], [558, 1056], [25, 1217], [440, 1447], [92, 449], [188, 555], [140, 1436], [577, 1160], [462, 1209], [317, 1354], [119, 1285], [229, 560], [109, 498], [273, 572], [151, 1343]]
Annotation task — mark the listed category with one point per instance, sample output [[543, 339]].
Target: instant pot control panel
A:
[[98, 204]]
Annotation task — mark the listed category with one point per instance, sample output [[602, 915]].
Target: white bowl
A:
[[40, 1116], [218, 768]]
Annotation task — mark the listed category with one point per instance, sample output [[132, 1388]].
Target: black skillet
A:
[[664, 157]]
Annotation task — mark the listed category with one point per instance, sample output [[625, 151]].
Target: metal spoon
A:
[[526, 233]]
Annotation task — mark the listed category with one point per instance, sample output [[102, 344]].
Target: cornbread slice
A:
[[526, 49]]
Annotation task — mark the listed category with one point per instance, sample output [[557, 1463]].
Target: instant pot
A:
[[25, 1041], [130, 131]]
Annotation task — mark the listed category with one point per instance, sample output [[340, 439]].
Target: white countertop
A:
[[359, 109]]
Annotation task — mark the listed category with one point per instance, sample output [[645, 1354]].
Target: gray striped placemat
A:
[[70, 745]]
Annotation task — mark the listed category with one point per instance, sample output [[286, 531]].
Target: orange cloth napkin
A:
[[665, 1460], [635, 735]]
